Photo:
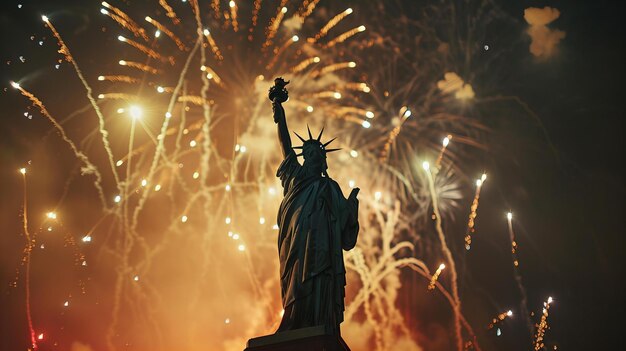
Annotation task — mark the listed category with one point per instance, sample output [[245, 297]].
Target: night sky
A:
[[561, 173]]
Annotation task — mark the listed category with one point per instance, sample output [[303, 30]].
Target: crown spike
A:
[[309, 130], [330, 141], [297, 147], [300, 154], [332, 150], [301, 138], [319, 137]]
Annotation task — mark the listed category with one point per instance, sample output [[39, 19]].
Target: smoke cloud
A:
[[544, 39]]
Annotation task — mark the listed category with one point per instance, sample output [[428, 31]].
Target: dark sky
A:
[[569, 198]]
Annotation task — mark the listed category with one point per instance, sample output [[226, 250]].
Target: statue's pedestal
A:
[[305, 339]]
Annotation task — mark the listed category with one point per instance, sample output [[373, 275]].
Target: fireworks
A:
[[433, 280], [542, 326], [499, 318], [473, 212], [189, 155]]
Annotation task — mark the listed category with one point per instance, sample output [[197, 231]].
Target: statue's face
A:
[[315, 157]]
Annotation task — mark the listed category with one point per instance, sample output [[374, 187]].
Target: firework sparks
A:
[[517, 275], [542, 326], [433, 280], [499, 318], [473, 212], [449, 258]]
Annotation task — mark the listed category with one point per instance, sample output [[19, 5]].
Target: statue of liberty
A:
[[316, 222]]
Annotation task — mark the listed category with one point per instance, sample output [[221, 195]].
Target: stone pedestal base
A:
[[305, 339]]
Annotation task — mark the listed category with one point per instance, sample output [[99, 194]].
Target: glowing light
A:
[[366, 124], [275, 227], [272, 191], [157, 34], [144, 182], [509, 216], [121, 38], [227, 187], [479, 182], [51, 215], [136, 112], [117, 198], [119, 163], [262, 220], [241, 247], [66, 303], [242, 149], [122, 63], [23, 170], [369, 114], [227, 321], [446, 141], [193, 143], [542, 326], [206, 32], [40, 336], [351, 183], [351, 64], [184, 219], [44, 18], [227, 220], [15, 85], [354, 153], [196, 175], [120, 110], [337, 95], [295, 38], [168, 115], [283, 10], [426, 165], [235, 236], [378, 195], [361, 28], [136, 278], [160, 89], [483, 177], [435, 277], [157, 187], [231, 3], [509, 313], [309, 108], [407, 113], [86, 238]]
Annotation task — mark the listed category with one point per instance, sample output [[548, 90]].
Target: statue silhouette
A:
[[315, 224]]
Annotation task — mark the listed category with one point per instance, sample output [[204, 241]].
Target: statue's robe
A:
[[315, 223]]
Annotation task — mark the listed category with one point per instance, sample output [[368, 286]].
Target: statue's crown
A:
[[314, 143]]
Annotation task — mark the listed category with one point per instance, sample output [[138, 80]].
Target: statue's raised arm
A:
[[278, 94]]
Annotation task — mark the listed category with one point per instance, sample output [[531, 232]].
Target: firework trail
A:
[[542, 326], [89, 168], [433, 280], [449, 259], [105, 135], [499, 318], [518, 276], [473, 212], [29, 248]]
